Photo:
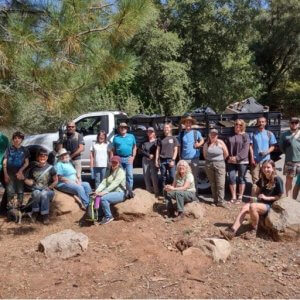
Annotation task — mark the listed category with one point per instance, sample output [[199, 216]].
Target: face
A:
[[261, 123], [71, 127], [42, 158], [123, 130], [17, 141], [114, 165], [188, 124], [294, 125], [167, 129], [65, 158], [238, 126], [267, 169], [101, 137], [151, 134], [213, 136], [181, 168]]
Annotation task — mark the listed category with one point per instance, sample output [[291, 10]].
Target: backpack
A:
[[92, 212], [181, 139]]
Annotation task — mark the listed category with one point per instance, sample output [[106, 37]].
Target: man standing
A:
[[290, 146], [190, 141], [262, 143], [124, 145], [74, 143], [4, 143]]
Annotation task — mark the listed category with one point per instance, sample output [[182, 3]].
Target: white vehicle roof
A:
[[100, 113]]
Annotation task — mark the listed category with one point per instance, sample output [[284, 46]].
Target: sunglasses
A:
[[294, 122], [238, 125], [43, 155]]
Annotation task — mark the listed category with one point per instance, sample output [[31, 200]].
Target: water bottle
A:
[[97, 202]]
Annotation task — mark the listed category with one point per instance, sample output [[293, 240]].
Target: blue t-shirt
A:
[[187, 141], [124, 144], [66, 170], [261, 141]]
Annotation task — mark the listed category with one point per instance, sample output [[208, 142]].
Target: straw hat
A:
[[61, 152], [188, 118]]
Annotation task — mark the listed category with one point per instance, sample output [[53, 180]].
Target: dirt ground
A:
[[139, 260]]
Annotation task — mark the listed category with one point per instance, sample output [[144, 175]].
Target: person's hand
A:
[[100, 193], [261, 197], [151, 156], [20, 175], [6, 179], [172, 163], [78, 181], [253, 163], [130, 160], [197, 145], [232, 159], [169, 188], [157, 164]]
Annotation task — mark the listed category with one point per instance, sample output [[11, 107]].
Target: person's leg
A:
[[97, 176], [163, 172], [296, 188], [45, 199], [240, 218], [232, 181], [78, 168], [210, 173], [128, 167], [242, 169], [194, 164], [20, 190], [154, 177], [87, 190], [255, 210], [220, 177], [110, 198], [102, 173], [75, 189], [254, 171], [147, 174], [172, 171], [36, 199], [168, 200], [288, 185]]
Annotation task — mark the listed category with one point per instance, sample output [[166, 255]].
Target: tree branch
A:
[[99, 29], [101, 6]]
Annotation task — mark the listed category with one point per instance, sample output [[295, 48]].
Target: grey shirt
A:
[[238, 146], [214, 153], [72, 142]]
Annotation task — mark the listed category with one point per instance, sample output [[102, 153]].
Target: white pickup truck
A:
[[88, 125]]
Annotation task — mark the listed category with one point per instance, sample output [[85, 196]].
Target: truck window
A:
[[90, 125]]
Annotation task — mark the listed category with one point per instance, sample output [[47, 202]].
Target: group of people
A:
[[112, 168]]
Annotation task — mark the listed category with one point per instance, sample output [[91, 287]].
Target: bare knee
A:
[[252, 208], [245, 208]]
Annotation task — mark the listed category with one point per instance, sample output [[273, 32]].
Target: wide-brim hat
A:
[[116, 158], [188, 118], [61, 152], [123, 124]]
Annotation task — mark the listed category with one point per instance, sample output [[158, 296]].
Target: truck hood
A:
[[46, 140]]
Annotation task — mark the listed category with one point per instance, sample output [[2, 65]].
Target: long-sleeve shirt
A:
[[113, 182], [149, 148], [238, 146]]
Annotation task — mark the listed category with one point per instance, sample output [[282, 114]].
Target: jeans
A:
[[128, 167], [15, 186], [167, 172], [181, 197], [150, 176], [81, 190], [41, 201], [241, 168], [106, 200], [99, 174], [216, 174]]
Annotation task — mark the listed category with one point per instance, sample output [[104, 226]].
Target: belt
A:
[[125, 156]]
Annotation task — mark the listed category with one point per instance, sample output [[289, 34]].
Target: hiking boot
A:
[[46, 220], [106, 220], [180, 216], [228, 233], [221, 204]]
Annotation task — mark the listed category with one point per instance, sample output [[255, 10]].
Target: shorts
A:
[[291, 168], [298, 180], [268, 206]]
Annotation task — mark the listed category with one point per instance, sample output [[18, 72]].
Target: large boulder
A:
[[283, 219], [64, 244], [64, 204], [139, 206], [194, 209]]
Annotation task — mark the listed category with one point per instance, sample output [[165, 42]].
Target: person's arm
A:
[[133, 154], [205, 150], [251, 151], [118, 180], [6, 176], [144, 151], [244, 151], [92, 153], [225, 150], [157, 156], [78, 151], [200, 139], [282, 143], [54, 182], [269, 198], [174, 187], [175, 152]]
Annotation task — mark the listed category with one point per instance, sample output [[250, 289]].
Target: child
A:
[[16, 160]]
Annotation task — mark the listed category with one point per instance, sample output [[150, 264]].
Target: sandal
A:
[[239, 200], [233, 201]]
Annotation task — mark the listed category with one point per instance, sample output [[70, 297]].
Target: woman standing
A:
[[182, 190], [238, 160], [166, 153], [149, 168], [215, 153], [269, 189], [99, 157], [111, 189]]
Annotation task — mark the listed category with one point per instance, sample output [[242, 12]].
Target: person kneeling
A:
[[42, 178], [183, 189], [111, 189], [269, 189]]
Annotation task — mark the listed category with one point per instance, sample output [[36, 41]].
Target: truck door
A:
[[89, 128]]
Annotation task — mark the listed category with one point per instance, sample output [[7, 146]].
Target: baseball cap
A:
[[115, 158], [214, 130], [150, 129]]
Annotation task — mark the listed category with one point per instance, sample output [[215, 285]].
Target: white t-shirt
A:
[[100, 155]]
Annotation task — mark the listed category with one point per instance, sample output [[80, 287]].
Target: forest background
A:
[[62, 58]]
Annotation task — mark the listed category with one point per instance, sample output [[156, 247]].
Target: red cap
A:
[[116, 158]]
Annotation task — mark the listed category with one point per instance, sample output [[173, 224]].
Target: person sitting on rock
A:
[[182, 190], [111, 189], [68, 180], [42, 178], [269, 189]]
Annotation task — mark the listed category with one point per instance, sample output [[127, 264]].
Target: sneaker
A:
[[106, 221], [221, 204], [228, 233], [46, 220]]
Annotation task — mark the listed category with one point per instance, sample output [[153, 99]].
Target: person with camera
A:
[[290, 146], [112, 189], [262, 143]]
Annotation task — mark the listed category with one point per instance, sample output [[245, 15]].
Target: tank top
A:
[[214, 153]]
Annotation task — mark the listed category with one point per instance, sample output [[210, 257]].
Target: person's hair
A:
[[105, 136], [241, 121], [169, 124], [261, 118], [18, 134], [41, 151], [271, 181], [187, 168]]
